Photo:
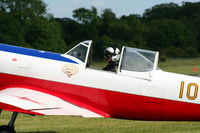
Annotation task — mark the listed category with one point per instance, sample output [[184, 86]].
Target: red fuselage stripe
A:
[[107, 103]]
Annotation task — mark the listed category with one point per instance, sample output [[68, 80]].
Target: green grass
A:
[[66, 124], [182, 66]]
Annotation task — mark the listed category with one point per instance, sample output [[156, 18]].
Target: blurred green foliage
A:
[[171, 29]]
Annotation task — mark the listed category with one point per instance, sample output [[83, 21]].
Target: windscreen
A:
[[79, 52]]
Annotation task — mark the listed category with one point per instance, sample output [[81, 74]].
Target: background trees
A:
[[172, 29], [26, 23]]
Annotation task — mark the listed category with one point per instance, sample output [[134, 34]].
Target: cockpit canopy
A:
[[133, 61], [138, 60]]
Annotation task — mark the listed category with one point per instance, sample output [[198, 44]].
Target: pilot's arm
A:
[[112, 66]]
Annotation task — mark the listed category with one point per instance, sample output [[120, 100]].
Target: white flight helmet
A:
[[113, 53]]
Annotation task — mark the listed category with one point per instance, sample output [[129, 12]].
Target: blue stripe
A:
[[35, 53]]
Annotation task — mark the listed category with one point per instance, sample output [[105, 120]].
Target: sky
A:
[[64, 8]]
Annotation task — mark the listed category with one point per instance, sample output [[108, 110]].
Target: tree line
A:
[[169, 28]]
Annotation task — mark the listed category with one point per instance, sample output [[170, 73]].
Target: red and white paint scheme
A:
[[45, 83]]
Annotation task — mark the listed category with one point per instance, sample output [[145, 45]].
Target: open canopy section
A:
[[136, 62]]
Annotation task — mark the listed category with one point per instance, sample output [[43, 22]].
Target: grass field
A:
[[67, 124], [182, 66]]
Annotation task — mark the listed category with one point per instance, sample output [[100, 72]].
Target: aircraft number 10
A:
[[192, 95]]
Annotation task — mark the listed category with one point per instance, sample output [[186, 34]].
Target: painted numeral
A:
[[190, 95], [181, 90]]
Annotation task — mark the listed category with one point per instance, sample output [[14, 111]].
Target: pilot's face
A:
[[108, 60]]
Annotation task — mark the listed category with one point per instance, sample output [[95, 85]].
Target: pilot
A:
[[111, 55]]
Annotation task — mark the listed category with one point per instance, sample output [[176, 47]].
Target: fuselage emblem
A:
[[70, 69]]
